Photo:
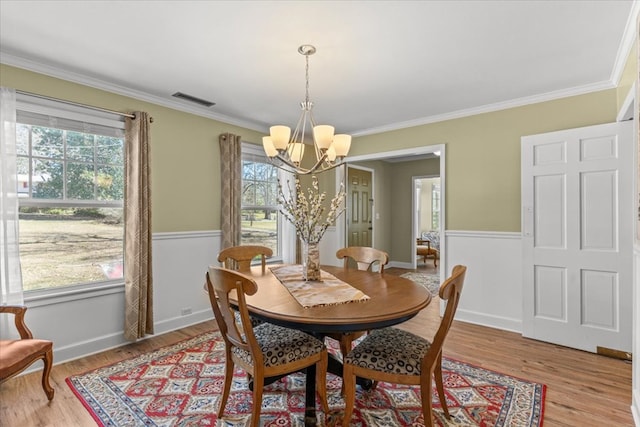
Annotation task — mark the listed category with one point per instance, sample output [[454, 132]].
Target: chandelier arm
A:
[[288, 166]]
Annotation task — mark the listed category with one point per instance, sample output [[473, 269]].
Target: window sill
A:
[[44, 297]]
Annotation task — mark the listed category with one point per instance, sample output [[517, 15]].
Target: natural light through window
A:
[[260, 216], [71, 191]]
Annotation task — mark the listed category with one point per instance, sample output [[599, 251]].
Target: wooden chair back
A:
[[239, 257], [364, 257], [220, 283], [450, 292]]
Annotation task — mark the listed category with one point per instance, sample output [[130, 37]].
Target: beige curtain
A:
[[231, 175], [137, 241]]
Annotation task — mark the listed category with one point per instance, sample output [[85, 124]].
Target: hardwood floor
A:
[[583, 389]]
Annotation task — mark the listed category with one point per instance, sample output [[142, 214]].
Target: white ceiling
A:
[[379, 64]]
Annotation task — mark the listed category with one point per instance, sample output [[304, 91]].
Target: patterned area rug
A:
[[429, 281], [180, 385]]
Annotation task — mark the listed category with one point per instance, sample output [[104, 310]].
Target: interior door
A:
[[359, 207], [577, 206]]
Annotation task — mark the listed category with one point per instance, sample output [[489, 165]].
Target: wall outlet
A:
[[185, 311]]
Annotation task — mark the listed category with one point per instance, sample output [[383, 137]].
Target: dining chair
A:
[[16, 355], [239, 258], [265, 351], [364, 258], [397, 356]]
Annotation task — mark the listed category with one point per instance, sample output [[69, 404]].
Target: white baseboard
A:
[[635, 407], [399, 264], [86, 348], [483, 319]]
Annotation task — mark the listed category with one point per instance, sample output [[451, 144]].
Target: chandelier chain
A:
[[307, 79]]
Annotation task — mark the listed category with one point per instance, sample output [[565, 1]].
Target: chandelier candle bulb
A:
[[341, 144], [280, 136], [268, 146], [331, 153], [296, 152], [323, 135]]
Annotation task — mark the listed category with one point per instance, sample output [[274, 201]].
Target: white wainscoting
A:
[[492, 294], [87, 323], [84, 323]]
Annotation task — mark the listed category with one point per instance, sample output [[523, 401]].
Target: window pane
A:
[[61, 246], [47, 179], [47, 142], [80, 146], [260, 227], [80, 178], [248, 193], [22, 139], [110, 183], [109, 150]]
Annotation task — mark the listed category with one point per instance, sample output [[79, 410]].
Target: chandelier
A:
[[285, 150]]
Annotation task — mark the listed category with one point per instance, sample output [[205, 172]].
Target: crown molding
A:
[[30, 65], [489, 108], [626, 44]]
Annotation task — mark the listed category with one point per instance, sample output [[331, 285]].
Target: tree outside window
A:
[[71, 190], [260, 204]]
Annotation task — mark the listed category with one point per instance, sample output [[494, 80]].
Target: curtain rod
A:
[[77, 104]]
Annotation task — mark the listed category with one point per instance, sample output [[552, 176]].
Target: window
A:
[[435, 207], [71, 189], [261, 223]]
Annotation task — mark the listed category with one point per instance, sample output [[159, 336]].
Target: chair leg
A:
[[48, 362], [321, 381], [349, 385], [425, 397], [346, 341], [228, 379], [258, 385], [437, 374]]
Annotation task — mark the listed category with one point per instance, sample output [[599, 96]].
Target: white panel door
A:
[[577, 226]]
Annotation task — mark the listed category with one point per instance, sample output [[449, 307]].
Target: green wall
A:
[[482, 152], [185, 154]]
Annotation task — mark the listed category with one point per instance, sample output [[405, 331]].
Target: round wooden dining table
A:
[[392, 300]]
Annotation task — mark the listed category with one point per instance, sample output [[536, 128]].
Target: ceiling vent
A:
[[193, 99]]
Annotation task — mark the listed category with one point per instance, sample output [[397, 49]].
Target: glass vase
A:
[[310, 261]]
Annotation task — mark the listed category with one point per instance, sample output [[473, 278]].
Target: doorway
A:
[[400, 246], [426, 207], [359, 207]]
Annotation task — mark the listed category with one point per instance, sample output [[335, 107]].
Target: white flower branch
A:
[[306, 211]]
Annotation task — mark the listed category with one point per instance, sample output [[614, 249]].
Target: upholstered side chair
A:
[[397, 356], [428, 246], [18, 354], [247, 347]]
